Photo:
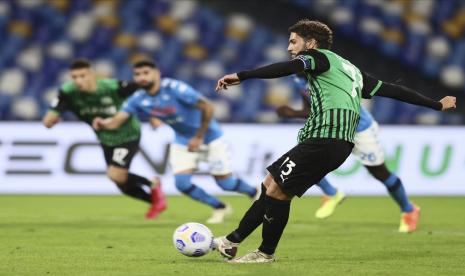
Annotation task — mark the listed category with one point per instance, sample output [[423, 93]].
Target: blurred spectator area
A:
[[426, 36], [199, 41]]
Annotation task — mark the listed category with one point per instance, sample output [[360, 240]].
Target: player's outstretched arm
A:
[[57, 106], [405, 94], [110, 123], [374, 87], [275, 70], [206, 109], [127, 88], [50, 119]]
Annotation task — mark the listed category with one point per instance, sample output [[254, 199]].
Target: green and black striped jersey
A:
[[104, 102], [336, 92]]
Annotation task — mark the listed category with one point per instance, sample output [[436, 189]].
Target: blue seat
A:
[[50, 25]]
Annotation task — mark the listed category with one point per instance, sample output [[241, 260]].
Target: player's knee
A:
[[380, 172], [229, 184], [183, 182], [268, 180], [274, 191], [119, 178], [223, 176]]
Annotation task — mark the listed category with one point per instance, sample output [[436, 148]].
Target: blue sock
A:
[[397, 192], [326, 187], [183, 183], [236, 184]]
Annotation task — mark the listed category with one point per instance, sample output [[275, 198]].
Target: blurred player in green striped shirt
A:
[[88, 97]]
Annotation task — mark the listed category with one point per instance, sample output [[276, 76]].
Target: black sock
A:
[[274, 222], [133, 188], [139, 179], [251, 220]]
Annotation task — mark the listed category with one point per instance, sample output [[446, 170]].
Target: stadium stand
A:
[[193, 42]]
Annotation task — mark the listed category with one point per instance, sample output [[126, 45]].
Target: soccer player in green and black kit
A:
[[88, 97], [336, 87]]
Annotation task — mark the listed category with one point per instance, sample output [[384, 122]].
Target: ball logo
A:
[[182, 228], [197, 237], [180, 245]]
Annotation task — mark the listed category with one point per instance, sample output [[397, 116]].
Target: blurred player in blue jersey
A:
[[198, 136], [368, 150]]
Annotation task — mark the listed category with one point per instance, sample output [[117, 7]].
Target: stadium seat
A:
[[190, 41]]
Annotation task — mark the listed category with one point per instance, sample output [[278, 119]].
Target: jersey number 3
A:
[[290, 165]]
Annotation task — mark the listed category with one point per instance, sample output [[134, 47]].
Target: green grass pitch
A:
[[107, 235]]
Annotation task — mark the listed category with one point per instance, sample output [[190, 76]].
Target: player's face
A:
[[83, 79], [147, 78], [297, 44]]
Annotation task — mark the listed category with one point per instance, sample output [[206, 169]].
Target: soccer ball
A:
[[193, 239]]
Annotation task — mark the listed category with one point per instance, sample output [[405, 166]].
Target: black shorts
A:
[[121, 155], [307, 163]]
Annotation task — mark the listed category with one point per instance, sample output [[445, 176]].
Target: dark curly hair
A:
[[308, 29], [79, 63], [144, 63]]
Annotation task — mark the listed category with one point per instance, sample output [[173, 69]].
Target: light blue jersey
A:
[[174, 104], [365, 120], [365, 116]]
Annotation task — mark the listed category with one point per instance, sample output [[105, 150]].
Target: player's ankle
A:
[[233, 238], [156, 182]]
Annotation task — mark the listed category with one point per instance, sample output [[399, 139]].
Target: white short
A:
[[367, 147], [216, 154]]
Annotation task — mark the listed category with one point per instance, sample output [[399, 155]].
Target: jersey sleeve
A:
[[127, 88], [314, 61], [186, 93], [131, 105], [272, 71], [370, 86], [405, 94], [60, 103]]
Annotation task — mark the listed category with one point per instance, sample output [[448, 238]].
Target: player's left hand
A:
[[194, 143], [228, 80], [448, 102]]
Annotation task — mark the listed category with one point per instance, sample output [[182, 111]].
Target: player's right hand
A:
[[448, 102], [194, 144], [96, 123], [285, 111], [228, 80]]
